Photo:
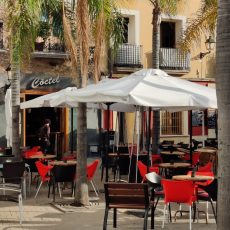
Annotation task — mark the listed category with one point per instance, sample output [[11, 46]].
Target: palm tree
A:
[[22, 22], [159, 6], [98, 19], [223, 95]]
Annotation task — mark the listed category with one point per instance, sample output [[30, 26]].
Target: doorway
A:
[[34, 118]]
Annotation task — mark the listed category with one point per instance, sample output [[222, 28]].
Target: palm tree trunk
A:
[[155, 65], [81, 183], [223, 95], [81, 191], [15, 84]]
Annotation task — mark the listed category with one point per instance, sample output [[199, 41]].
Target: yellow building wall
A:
[[199, 69], [186, 9]]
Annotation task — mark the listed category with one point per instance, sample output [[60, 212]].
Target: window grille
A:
[[171, 123]]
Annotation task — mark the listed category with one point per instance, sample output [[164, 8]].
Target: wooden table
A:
[[42, 156], [70, 162], [207, 150], [183, 150], [178, 153], [175, 165], [195, 178], [169, 169]]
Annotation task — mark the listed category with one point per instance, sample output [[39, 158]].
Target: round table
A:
[[64, 163], [174, 165], [178, 153], [42, 156], [195, 178], [169, 169], [206, 150]]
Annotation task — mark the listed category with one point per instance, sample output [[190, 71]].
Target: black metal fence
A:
[[174, 59], [128, 55]]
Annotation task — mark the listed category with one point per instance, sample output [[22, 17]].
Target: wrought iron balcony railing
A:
[[174, 59], [50, 49], [128, 55]]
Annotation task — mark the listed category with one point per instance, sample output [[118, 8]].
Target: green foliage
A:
[[43, 30], [22, 21], [166, 6], [52, 13], [113, 21], [169, 6]]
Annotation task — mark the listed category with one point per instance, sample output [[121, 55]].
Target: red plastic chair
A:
[[143, 170], [206, 168], [91, 169], [195, 158], [28, 154], [179, 192], [156, 160], [43, 171], [35, 148]]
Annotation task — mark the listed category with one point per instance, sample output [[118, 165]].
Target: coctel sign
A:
[[41, 82]]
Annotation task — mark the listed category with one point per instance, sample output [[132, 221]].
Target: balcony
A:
[[51, 49], [174, 61], [128, 58]]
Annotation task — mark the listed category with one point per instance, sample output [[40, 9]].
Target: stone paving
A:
[[43, 214]]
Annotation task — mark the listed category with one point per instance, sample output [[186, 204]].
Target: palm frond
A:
[[204, 21], [69, 41], [82, 19], [99, 44], [166, 6]]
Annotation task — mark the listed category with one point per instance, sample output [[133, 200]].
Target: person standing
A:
[[44, 136]]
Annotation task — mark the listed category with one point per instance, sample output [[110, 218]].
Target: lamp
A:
[[209, 43]]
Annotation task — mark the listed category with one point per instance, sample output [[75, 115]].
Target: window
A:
[[171, 123], [168, 30], [126, 29], [1, 35]]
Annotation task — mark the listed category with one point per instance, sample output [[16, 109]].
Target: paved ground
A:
[[42, 214]]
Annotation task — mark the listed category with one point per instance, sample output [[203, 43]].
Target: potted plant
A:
[[43, 33]]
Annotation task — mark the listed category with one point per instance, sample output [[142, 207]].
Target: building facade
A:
[[50, 71], [198, 65]]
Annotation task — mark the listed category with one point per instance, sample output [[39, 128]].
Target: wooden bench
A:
[[127, 196]]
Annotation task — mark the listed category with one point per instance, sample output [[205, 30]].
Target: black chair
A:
[[32, 167], [62, 173], [112, 164], [156, 190], [14, 173], [123, 162], [209, 193]]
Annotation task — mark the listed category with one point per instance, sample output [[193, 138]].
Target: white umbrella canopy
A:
[[44, 101], [61, 99], [148, 87]]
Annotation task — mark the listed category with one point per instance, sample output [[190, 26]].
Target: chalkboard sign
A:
[[212, 119], [197, 118]]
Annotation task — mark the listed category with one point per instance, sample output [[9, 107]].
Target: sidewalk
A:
[[42, 214]]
